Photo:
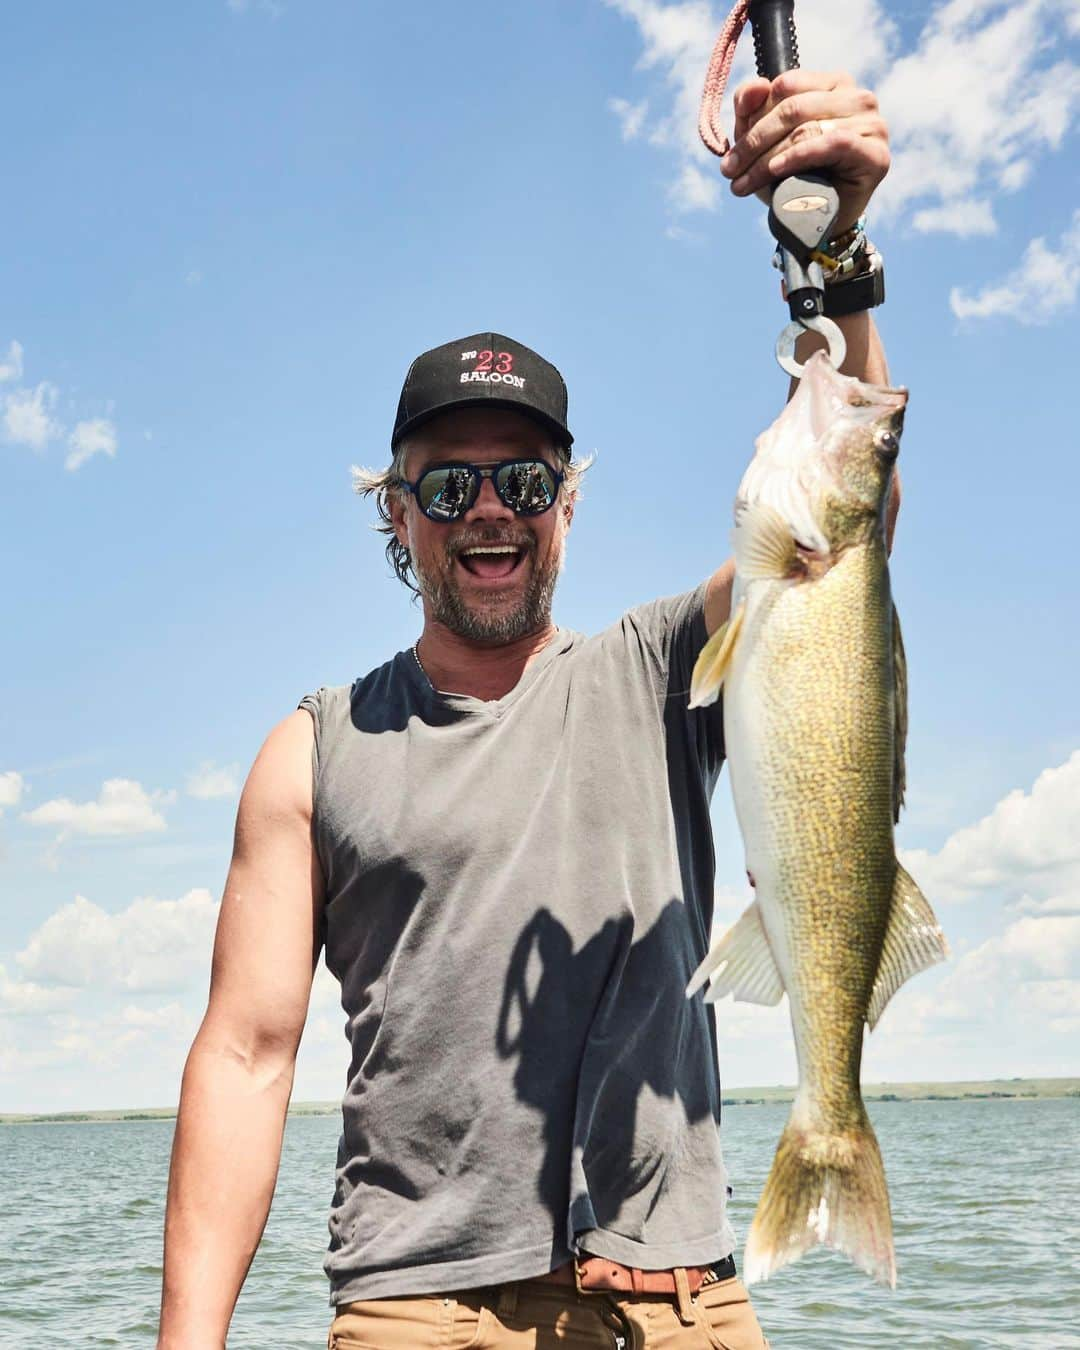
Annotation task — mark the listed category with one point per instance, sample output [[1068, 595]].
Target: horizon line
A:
[[777, 1091]]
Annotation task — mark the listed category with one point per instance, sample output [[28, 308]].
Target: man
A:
[[505, 846]]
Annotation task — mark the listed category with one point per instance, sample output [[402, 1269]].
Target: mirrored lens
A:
[[527, 486], [447, 492]]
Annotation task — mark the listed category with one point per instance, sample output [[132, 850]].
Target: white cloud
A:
[[162, 1018], [856, 35], [683, 235], [272, 7], [1044, 284], [94, 437], [677, 40], [965, 217], [1037, 946], [693, 190], [151, 945], [25, 998], [978, 97], [631, 116], [125, 992], [122, 807], [325, 991], [209, 780], [1053, 904], [11, 788], [1028, 843], [145, 1044], [1012, 967], [95, 990], [982, 93], [11, 366], [1012, 998], [1056, 1001], [28, 416], [1013, 176]]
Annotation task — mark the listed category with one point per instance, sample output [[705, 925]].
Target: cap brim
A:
[[558, 431]]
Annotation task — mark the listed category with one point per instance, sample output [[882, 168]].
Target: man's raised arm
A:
[[239, 1072], [804, 121]]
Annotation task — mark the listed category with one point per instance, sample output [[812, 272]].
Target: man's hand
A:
[[806, 120]]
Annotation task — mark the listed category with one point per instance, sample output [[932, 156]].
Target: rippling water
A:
[[986, 1204]]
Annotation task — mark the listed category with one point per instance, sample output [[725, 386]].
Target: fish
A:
[[814, 679]]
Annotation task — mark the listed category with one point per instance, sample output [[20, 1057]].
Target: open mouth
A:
[[492, 562]]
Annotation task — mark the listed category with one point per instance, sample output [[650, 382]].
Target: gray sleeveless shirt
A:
[[517, 893]]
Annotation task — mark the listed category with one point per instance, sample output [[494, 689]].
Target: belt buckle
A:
[[577, 1280]]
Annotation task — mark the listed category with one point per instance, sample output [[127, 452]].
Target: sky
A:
[[229, 227]]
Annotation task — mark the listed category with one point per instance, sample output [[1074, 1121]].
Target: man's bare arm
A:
[[239, 1072]]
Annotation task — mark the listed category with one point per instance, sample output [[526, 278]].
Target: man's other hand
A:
[[806, 120]]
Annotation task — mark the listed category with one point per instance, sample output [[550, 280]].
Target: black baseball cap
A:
[[486, 370]]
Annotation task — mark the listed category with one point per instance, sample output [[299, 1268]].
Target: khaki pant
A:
[[530, 1316]]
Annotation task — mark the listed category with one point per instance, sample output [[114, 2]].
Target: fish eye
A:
[[887, 443]]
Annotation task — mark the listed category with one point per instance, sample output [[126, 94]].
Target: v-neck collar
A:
[[409, 666]]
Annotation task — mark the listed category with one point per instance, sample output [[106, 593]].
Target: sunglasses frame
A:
[[478, 473]]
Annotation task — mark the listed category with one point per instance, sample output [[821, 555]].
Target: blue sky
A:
[[230, 226]]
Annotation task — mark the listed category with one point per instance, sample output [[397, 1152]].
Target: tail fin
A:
[[823, 1188]]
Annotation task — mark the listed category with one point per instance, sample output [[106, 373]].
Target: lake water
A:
[[986, 1206]]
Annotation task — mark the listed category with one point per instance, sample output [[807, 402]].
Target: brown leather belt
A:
[[595, 1273]]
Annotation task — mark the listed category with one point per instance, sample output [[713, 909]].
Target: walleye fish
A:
[[814, 681]]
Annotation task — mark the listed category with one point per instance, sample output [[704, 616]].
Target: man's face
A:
[[492, 597]]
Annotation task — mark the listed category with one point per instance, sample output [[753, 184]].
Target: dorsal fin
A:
[[900, 714]]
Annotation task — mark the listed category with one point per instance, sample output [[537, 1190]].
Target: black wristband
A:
[[853, 294]]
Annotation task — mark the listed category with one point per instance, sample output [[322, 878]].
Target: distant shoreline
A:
[[990, 1089]]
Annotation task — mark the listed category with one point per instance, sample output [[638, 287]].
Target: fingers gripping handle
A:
[[776, 48], [802, 208]]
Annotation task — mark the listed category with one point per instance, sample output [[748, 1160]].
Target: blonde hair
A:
[[386, 484]]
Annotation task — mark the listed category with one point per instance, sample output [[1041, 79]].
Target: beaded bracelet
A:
[[846, 243]]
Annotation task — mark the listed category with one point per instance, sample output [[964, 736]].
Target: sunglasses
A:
[[446, 491]]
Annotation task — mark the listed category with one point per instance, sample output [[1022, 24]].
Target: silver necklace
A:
[[420, 664]]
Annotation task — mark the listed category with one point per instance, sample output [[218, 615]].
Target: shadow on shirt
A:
[[591, 1030]]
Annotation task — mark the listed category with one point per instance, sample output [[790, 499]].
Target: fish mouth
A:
[[830, 395], [798, 460]]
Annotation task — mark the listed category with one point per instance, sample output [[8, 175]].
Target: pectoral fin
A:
[[749, 968], [764, 545], [913, 941], [712, 664]]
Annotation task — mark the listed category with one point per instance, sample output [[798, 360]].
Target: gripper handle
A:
[[776, 48]]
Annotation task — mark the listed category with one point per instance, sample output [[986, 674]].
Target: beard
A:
[[493, 624]]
